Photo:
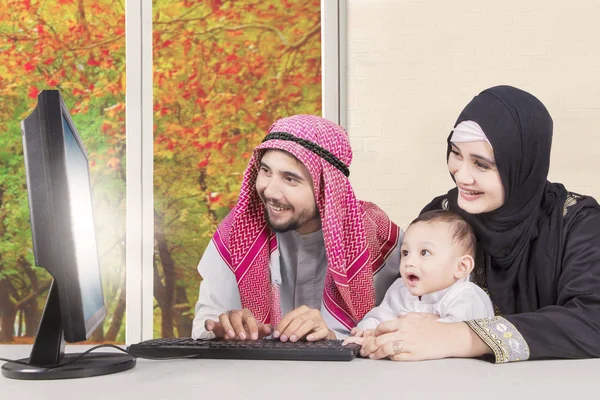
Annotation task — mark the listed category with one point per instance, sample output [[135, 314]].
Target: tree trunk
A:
[[98, 335], [168, 296], [29, 306], [32, 318], [204, 187], [183, 320], [20, 324], [118, 313], [81, 19], [7, 313]]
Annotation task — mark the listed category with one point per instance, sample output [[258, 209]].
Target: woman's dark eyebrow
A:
[[476, 156], [482, 158]]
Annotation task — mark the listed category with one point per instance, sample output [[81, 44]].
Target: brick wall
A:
[[414, 64]]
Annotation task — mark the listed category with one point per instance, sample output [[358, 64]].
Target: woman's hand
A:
[[417, 336]]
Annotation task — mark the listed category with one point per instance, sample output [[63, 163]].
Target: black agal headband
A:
[[315, 148]]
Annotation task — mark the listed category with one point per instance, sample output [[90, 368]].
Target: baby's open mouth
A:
[[412, 278]]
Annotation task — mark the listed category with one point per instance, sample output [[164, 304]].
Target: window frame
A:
[[140, 139]]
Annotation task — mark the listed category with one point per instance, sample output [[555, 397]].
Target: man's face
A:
[[285, 187], [429, 257]]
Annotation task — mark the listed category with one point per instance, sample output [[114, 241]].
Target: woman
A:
[[538, 244]]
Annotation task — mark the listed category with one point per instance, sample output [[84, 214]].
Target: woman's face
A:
[[474, 169]]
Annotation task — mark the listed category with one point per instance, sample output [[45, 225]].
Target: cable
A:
[[80, 356]]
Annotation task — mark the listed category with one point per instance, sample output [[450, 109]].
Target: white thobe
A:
[[298, 267], [462, 301]]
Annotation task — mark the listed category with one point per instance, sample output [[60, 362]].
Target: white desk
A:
[[283, 380]]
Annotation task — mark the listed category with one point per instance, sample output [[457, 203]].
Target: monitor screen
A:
[[82, 225]]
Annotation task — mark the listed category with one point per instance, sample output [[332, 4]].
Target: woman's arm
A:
[[467, 344], [568, 329], [571, 328], [420, 338]]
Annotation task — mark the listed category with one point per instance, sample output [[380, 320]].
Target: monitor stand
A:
[[48, 352]]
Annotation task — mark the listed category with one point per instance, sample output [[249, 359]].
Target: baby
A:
[[438, 252]]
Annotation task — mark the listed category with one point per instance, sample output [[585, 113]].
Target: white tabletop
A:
[[283, 380]]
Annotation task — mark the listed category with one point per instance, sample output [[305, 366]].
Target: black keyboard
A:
[[262, 349]]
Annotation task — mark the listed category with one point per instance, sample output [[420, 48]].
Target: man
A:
[[299, 256]]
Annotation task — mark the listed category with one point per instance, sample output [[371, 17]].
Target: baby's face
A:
[[429, 258]]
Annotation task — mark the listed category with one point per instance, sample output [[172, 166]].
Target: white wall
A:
[[413, 65]]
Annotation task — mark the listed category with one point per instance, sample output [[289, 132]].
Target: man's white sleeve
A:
[[218, 291]]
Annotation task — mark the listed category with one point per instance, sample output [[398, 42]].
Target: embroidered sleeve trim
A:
[[502, 337], [570, 201]]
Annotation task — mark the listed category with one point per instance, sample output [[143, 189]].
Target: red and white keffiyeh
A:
[[358, 235]]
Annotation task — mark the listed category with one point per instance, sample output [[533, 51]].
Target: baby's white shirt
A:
[[462, 301]]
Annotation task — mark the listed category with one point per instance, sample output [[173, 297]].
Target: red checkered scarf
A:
[[358, 235]]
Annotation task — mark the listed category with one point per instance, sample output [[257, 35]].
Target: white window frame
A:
[[139, 172], [140, 139]]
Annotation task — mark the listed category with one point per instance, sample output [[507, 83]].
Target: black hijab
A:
[[522, 240]]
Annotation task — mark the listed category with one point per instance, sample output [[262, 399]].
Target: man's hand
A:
[[303, 322], [237, 324]]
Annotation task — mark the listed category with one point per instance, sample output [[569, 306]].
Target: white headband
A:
[[468, 131]]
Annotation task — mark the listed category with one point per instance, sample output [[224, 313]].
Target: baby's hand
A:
[[358, 336], [362, 333], [356, 332], [368, 332], [353, 339]]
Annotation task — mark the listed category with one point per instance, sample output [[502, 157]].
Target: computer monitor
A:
[[64, 243]]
